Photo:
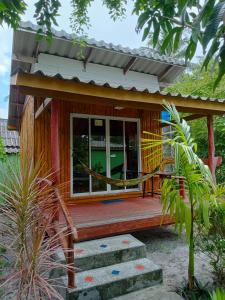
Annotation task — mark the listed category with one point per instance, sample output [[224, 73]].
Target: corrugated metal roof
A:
[[25, 45], [10, 138], [142, 52], [26, 49], [147, 60], [129, 88]]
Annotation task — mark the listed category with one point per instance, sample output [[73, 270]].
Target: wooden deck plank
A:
[[87, 233], [98, 219]]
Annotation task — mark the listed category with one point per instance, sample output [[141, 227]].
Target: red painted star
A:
[[126, 242], [89, 279], [139, 267], [78, 250]]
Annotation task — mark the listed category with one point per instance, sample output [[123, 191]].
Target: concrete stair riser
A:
[[106, 286], [110, 267], [119, 249]]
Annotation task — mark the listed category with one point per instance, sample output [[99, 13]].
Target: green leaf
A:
[[147, 30], [212, 50], [221, 67], [177, 38], [142, 20], [168, 40], [2, 6], [190, 51], [182, 4], [207, 11], [213, 23], [156, 27]]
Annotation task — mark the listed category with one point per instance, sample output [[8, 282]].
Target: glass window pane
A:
[[98, 153], [116, 151], [80, 153], [131, 150]]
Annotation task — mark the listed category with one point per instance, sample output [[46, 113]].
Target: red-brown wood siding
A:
[[27, 132], [148, 122]]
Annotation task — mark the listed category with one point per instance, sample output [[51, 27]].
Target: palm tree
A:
[[199, 188]]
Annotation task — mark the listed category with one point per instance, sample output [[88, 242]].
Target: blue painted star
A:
[[103, 246], [115, 272]]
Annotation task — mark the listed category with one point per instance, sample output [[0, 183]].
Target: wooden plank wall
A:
[[42, 138], [27, 132]]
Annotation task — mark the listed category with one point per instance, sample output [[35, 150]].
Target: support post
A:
[[211, 146], [70, 262], [182, 187], [55, 140], [55, 156]]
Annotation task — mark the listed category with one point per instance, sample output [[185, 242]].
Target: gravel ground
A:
[[167, 250]]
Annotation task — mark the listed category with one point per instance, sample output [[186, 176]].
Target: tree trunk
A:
[[191, 264]]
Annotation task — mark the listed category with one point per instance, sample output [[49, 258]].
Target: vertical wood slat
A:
[[55, 150], [42, 139], [27, 132]]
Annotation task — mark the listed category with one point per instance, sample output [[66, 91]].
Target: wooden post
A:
[[70, 262], [55, 140], [211, 146], [182, 187], [55, 156]]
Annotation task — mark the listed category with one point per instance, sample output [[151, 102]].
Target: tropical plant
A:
[[218, 294], [169, 20], [24, 222], [199, 188], [199, 292], [204, 87], [211, 241]]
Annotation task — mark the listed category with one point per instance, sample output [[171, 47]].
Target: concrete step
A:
[[107, 251], [115, 280]]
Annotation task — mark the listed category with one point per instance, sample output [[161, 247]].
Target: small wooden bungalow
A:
[[92, 104]]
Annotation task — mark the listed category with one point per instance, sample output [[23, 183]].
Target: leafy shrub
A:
[[212, 241]]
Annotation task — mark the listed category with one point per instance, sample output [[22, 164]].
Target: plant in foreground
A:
[[218, 294], [199, 292], [26, 214], [199, 188], [211, 241]]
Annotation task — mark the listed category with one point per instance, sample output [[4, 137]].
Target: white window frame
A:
[[107, 121]]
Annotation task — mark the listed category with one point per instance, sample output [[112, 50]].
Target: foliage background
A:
[[2, 151], [200, 83]]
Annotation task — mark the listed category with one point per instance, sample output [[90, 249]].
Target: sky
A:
[[102, 28]]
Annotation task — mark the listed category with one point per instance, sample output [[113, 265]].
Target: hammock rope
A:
[[118, 182]]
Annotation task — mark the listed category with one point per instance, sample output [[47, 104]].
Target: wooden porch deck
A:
[[111, 217]]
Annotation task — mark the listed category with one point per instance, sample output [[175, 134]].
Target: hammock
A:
[[118, 182]]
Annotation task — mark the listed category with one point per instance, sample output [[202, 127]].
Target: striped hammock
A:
[[118, 182]]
